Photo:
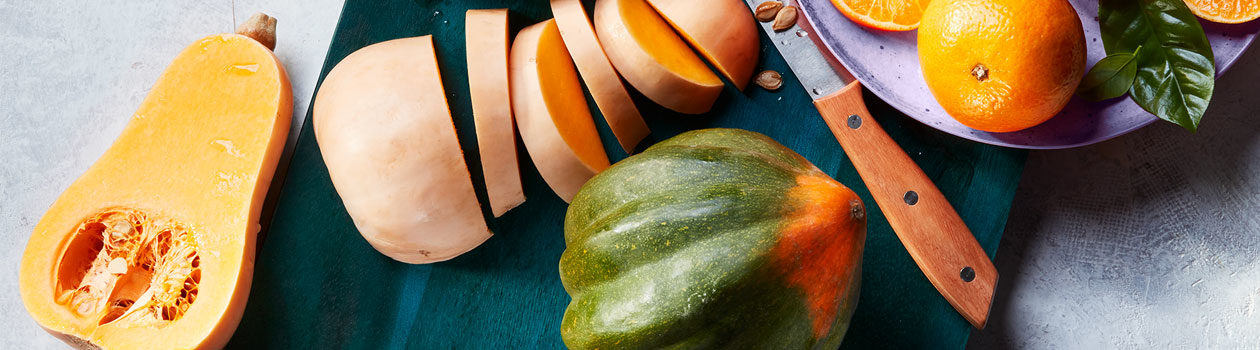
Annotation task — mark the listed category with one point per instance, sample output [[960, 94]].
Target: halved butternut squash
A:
[[724, 32], [551, 111], [598, 73], [153, 247], [386, 134], [658, 63], [486, 42]]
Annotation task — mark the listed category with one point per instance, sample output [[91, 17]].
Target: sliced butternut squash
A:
[[658, 63], [386, 134], [598, 73], [486, 41], [153, 247], [724, 32], [551, 111]]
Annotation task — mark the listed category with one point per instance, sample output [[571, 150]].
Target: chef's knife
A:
[[924, 221]]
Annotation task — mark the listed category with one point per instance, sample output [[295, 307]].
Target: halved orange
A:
[[1225, 11], [893, 15]]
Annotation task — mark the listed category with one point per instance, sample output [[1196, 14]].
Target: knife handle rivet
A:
[[855, 121], [911, 198], [967, 274]]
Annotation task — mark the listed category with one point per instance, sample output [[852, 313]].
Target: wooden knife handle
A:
[[926, 223]]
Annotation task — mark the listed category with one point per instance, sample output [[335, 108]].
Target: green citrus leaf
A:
[[1176, 72], [1110, 78]]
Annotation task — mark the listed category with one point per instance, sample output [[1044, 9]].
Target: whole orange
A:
[[1001, 65]]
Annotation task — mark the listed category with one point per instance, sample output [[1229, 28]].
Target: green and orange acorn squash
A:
[[716, 238]]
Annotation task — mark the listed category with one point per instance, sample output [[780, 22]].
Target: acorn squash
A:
[[153, 247], [715, 238]]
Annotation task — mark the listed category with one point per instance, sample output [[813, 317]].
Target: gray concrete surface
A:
[[73, 72], [1150, 240]]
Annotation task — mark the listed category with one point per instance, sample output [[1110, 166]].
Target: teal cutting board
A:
[[318, 285]]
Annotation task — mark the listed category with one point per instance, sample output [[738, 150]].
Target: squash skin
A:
[[715, 238], [410, 197], [486, 32]]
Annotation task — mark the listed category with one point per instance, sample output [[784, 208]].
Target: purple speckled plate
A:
[[887, 63]]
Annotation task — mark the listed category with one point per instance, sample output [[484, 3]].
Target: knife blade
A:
[[926, 224]]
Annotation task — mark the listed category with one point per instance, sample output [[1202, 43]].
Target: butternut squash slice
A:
[[386, 134], [551, 111], [153, 247], [598, 73], [486, 41], [658, 63], [724, 32]]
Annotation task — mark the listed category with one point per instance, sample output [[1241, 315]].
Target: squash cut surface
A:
[[551, 111], [723, 31], [654, 59], [153, 246], [598, 73], [486, 40], [386, 134]]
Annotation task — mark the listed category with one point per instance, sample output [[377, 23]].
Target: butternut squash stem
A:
[[261, 28]]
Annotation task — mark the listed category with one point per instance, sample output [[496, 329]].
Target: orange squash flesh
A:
[[598, 73], [153, 246], [723, 31], [551, 111], [653, 59], [486, 39]]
